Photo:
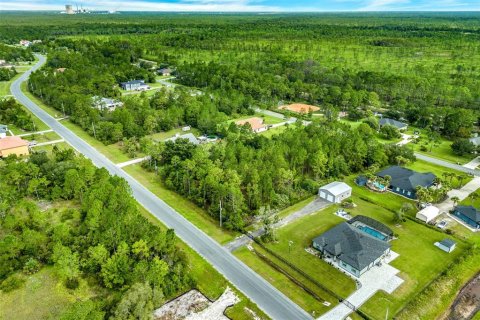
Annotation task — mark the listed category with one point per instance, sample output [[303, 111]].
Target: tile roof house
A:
[[468, 214], [397, 124], [256, 124], [13, 145], [405, 181], [354, 250]]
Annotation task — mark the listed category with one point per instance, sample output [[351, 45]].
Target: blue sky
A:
[[248, 5]]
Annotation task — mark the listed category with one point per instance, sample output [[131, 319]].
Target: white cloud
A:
[[183, 5]]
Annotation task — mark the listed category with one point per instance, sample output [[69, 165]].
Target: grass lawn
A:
[[211, 283], [168, 134], [281, 282], [188, 209], [42, 296], [43, 137], [49, 148], [274, 131], [419, 261], [423, 166], [112, 152], [266, 118]]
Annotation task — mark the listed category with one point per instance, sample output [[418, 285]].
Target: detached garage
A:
[[427, 214], [335, 192]]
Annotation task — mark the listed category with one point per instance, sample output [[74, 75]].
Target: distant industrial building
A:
[[69, 9]]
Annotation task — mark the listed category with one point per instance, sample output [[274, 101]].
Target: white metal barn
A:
[[335, 192], [427, 214]]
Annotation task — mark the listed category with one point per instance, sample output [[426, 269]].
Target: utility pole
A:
[[63, 108], [94, 133], [220, 213], [290, 242]]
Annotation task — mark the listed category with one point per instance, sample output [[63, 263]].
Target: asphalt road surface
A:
[[447, 164], [267, 297]]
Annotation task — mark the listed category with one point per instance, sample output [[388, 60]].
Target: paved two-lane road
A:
[[267, 297]]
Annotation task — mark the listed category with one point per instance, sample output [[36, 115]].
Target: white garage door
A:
[[322, 195], [330, 198]]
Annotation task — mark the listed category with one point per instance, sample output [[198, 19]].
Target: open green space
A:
[[49, 148], [43, 286], [457, 180], [171, 133], [274, 131], [42, 137], [189, 210], [267, 119]]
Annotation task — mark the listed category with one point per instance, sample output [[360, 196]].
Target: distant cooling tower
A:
[[69, 9]]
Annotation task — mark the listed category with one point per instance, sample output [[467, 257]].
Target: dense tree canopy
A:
[[103, 236]]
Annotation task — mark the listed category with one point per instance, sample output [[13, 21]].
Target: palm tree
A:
[[473, 196], [455, 200]]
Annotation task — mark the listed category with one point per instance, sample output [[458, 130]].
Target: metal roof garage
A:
[[428, 213], [335, 192]]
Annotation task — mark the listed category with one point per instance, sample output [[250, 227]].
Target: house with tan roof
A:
[[256, 124], [299, 108], [13, 145]]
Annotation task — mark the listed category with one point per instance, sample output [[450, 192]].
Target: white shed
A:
[[335, 192], [446, 245], [428, 213]]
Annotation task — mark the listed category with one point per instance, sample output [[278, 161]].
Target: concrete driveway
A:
[[379, 278]]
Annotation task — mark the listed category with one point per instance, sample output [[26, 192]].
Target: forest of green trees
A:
[[11, 112], [101, 237], [250, 171]]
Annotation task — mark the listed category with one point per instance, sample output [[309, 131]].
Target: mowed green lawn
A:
[[419, 261], [423, 166]]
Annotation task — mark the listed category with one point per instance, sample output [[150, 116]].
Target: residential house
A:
[[405, 181], [137, 85], [106, 103], [3, 131], [335, 192], [13, 145], [468, 214], [351, 249], [397, 124], [25, 43], [164, 71], [475, 141], [447, 245], [189, 136], [186, 128], [255, 123]]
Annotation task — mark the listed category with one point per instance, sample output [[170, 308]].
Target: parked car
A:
[[32, 143], [442, 224]]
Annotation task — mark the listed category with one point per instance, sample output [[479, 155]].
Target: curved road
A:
[[267, 297]]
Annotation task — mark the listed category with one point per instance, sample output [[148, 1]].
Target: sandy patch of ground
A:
[[193, 305]]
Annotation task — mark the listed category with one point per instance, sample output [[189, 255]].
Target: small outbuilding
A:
[[447, 245], [428, 213], [3, 131], [335, 192]]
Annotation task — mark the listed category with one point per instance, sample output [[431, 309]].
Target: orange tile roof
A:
[[255, 123], [300, 107], [12, 142]]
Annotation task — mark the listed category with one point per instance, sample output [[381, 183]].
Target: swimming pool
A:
[[378, 185], [373, 232]]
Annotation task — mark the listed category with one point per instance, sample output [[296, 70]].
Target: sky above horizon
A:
[[247, 5]]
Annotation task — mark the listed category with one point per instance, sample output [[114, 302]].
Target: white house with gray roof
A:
[[335, 192], [189, 136], [352, 249]]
